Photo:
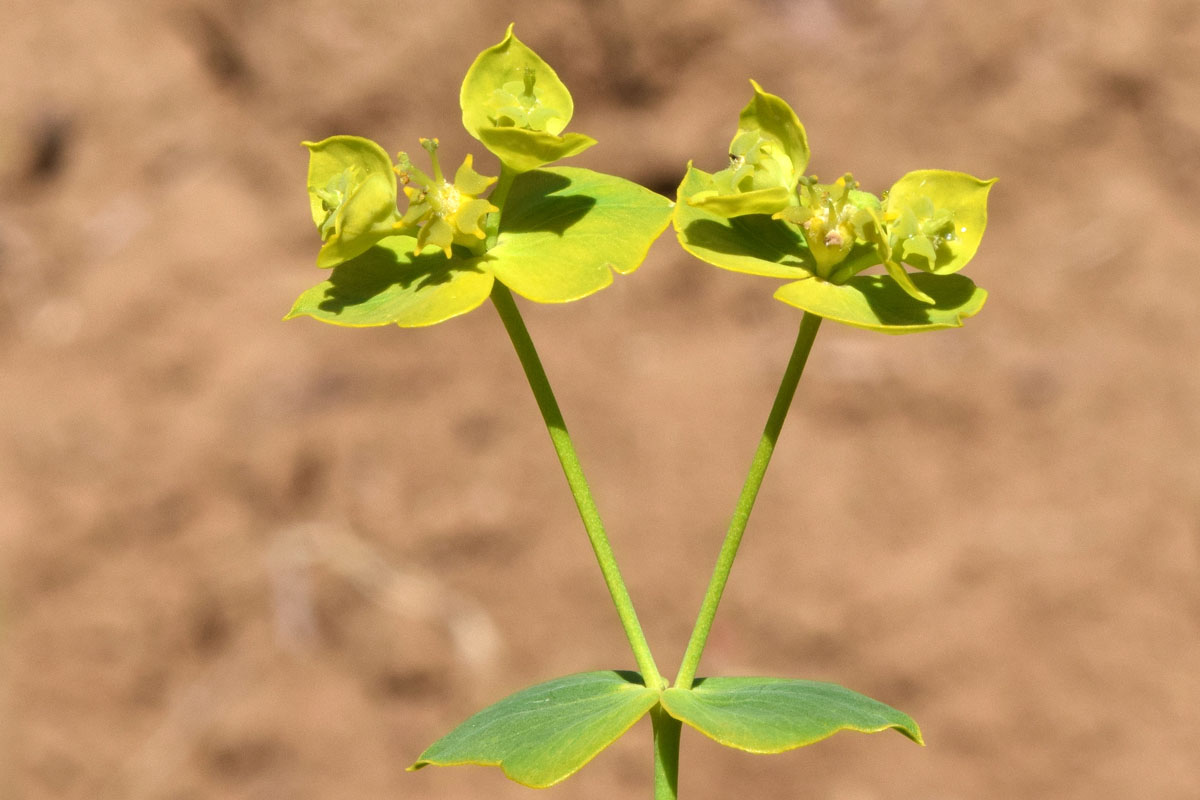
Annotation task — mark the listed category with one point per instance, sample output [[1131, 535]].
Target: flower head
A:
[[761, 215], [832, 217], [767, 157], [448, 212], [515, 104], [560, 236]]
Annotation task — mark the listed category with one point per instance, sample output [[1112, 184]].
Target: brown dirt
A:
[[248, 559]]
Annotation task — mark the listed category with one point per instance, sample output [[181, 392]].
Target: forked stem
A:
[[741, 514], [511, 316]]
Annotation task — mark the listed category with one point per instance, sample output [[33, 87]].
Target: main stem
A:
[[741, 514], [563, 446], [666, 754]]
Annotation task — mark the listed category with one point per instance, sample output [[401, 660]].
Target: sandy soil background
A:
[[250, 559]]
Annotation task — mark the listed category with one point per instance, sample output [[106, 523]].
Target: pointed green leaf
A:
[[878, 303], [754, 244], [352, 194], [963, 197], [388, 284], [546, 733], [515, 104], [564, 231], [771, 715]]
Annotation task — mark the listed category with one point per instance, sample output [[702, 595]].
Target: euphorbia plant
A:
[[555, 234]]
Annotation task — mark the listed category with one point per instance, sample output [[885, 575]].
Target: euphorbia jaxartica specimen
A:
[[885, 263]]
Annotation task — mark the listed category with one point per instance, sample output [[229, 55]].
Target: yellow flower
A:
[[448, 212]]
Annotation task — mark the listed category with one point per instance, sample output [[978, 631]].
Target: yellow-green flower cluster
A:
[[448, 212], [565, 231], [761, 215], [930, 220], [832, 217]]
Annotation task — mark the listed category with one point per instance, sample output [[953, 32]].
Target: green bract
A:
[[767, 156], [390, 284], [352, 191], [937, 219], [761, 216], [515, 104]]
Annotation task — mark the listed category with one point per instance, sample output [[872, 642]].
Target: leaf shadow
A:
[[754, 235], [893, 306], [630, 676], [383, 266], [534, 205]]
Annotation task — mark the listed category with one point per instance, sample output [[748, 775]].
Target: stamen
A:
[[431, 146]]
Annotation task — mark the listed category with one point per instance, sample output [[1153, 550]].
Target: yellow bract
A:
[[352, 191], [515, 104]]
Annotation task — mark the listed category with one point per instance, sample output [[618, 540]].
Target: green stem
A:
[[666, 754], [491, 226], [563, 446], [741, 514]]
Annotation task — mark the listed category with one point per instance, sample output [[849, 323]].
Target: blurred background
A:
[[249, 559]]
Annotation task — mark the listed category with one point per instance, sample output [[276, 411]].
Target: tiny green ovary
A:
[[921, 234], [332, 198], [830, 219], [519, 104], [755, 162]]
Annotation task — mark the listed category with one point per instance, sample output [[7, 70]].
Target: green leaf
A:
[[523, 150], [546, 733], [388, 284], [757, 201], [564, 230], [754, 244], [963, 197], [771, 715], [352, 194], [515, 103], [878, 303]]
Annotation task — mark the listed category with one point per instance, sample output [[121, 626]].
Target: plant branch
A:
[[563, 446], [741, 514], [491, 226]]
